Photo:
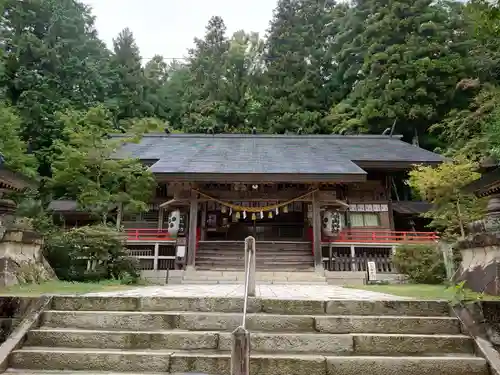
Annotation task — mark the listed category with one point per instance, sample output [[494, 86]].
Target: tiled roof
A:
[[272, 154], [408, 207]]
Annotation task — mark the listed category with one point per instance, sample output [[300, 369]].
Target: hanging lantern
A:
[[244, 214], [223, 209], [238, 215], [254, 217], [270, 216], [285, 209]]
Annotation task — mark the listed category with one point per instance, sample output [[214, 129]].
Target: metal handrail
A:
[[249, 275], [240, 350]]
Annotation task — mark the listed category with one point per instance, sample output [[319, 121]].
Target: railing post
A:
[[250, 250], [156, 254], [240, 352]]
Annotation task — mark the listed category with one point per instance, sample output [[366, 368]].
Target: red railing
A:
[[381, 236], [148, 235]]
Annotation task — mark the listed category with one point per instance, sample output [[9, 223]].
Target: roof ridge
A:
[[245, 135]]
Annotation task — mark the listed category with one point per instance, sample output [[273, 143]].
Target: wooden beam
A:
[[318, 259], [193, 223], [167, 203]]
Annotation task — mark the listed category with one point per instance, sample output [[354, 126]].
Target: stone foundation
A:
[[21, 259]]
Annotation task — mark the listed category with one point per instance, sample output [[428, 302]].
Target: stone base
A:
[[480, 269], [21, 259]]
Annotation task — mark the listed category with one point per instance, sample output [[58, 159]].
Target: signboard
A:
[[180, 251], [372, 271]]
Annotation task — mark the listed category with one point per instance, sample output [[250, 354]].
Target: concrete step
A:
[[260, 363], [347, 344], [272, 306], [215, 321]]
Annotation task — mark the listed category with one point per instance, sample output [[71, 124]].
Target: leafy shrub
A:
[[422, 264], [70, 252]]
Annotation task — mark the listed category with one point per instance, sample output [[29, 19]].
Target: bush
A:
[[423, 264], [69, 253]]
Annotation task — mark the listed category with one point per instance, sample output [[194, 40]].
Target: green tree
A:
[[156, 75], [129, 89], [12, 147], [204, 97], [53, 61], [472, 130], [407, 58], [443, 186], [85, 168], [301, 76]]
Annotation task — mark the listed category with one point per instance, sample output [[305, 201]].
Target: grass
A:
[[424, 291], [62, 287]]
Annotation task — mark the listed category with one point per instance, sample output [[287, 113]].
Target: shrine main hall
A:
[[312, 202]]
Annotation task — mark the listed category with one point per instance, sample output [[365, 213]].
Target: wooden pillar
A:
[[203, 221], [193, 223], [160, 218], [318, 256]]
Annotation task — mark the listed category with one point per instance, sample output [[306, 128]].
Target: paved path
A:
[[290, 291]]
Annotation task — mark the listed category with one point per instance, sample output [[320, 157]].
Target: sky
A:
[[168, 27]]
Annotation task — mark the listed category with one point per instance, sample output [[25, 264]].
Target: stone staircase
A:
[[261, 277], [276, 256], [155, 335]]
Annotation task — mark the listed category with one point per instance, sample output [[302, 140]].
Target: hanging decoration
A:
[[244, 209], [270, 216]]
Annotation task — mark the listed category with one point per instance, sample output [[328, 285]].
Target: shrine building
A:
[[312, 202]]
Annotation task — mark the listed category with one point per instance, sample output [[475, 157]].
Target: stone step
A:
[[44, 358], [214, 321], [73, 372], [260, 253], [272, 306], [260, 257], [288, 276], [270, 265], [227, 282], [347, 344], [260, 364]]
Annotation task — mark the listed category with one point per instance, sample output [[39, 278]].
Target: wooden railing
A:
[[381, 236], [142, 234]]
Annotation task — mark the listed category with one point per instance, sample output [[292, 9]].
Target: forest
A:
[[429, 70]]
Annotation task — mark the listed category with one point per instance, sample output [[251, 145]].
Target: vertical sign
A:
[[372, 271]]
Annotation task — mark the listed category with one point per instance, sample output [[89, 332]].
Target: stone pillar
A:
[[353, 258], [492, 217], [316, 223], [193, 223]]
